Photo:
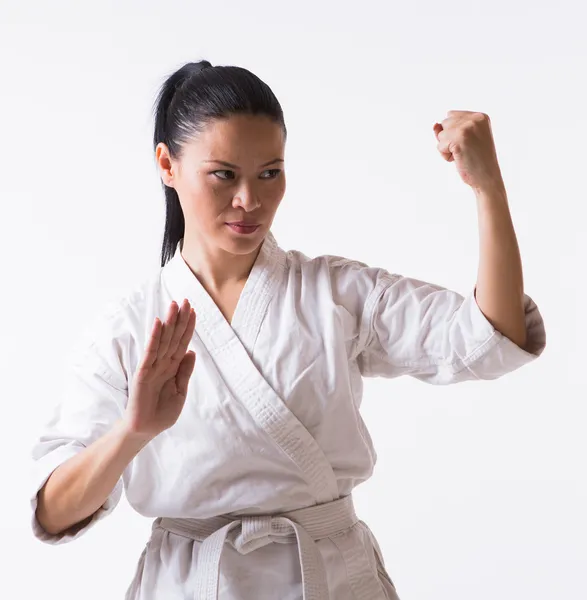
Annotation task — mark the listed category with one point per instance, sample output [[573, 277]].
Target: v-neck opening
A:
[[253, 299], [249, 283]]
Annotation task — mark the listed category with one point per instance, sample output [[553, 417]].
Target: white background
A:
[[480, 489]]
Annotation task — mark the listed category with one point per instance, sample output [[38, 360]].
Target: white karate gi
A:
[[271, 423]]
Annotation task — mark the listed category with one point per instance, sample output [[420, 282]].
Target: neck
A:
[[214, 267]]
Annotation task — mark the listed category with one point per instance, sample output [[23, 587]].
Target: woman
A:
[[252, 453]]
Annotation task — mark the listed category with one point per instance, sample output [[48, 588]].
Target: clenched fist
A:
[[465, 137]]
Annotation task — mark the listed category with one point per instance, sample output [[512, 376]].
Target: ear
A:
[[164, 164]]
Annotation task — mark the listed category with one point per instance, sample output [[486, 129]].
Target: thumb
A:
[[184, 372]]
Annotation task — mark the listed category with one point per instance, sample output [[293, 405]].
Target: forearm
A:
[[82, 484], [500, 286]]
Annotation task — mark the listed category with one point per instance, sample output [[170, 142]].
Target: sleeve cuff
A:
[[499, 355]]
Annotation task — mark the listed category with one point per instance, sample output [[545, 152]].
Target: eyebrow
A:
[[227, 164]]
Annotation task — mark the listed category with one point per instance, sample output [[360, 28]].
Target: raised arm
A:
[[500, 288], [465, 137]]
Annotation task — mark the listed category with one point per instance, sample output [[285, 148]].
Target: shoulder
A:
[[115, 314], [110, 330], [344, 274]]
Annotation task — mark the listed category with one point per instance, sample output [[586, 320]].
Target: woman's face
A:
[[249, 188]]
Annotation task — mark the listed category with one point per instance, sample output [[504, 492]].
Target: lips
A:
[[243, 229], [243, 224]]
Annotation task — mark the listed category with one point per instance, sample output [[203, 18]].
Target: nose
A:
[[246, 199]]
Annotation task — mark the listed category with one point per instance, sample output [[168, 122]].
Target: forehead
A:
[[238, 137]]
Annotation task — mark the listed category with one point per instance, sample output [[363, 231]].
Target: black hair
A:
[[188, 100]]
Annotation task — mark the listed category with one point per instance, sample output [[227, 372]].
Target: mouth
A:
[[243, 228]]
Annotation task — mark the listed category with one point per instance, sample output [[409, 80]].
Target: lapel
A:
[[231, 347], [261, 284]]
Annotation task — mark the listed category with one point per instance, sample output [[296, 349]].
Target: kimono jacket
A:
[[251, 489]]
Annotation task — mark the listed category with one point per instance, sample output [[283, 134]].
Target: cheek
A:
[[276, 192], [207, 193], [202, 202]]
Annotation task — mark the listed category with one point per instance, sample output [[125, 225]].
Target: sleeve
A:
[[411, 327], [92, 399]]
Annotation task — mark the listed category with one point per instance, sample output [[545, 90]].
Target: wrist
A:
[[128, 436], [492, 203], [494, 192]]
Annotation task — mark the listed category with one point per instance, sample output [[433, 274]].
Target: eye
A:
[[223, 178], [275, 172]]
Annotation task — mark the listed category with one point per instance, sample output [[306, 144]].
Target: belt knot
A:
[[254, 532]]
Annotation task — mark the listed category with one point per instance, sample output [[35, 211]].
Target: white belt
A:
[[248, 533]]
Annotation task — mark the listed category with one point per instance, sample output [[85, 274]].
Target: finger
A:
[[444, 151], [443, 145], [184, 372], [450, 121], [182, 320], [168, 328], [150, 354], [446, 155], [460, 113], [187, 335]]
